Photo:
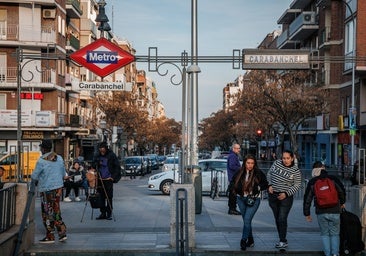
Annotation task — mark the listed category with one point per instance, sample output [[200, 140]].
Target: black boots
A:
[[243, 244], [250, 242]]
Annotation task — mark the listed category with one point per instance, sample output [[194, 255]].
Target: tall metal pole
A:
[[352, 110], [194, 89], [184, 132], [19, 114]]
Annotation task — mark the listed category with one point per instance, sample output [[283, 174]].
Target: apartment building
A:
[[326, 29], [36, 38], [33, 44]]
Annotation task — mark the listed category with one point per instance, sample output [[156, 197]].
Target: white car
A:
[[171, 164], [209, 168]]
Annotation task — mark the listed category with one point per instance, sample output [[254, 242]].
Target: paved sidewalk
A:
[[141, 227]]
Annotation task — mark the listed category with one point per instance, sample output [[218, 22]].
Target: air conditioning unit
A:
[[308, 17], [49, 13]]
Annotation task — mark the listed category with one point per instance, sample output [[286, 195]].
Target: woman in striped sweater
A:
[[284, 178]]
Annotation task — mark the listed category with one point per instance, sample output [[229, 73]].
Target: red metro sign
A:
[[102, 57]]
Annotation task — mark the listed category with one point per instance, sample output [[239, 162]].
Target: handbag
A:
[[96, 200]]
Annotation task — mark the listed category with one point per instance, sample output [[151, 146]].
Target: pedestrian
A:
[[328, 217], [233, 166], [75, 179], [49, 177], [248, 183], [284, 179], [108, 171]]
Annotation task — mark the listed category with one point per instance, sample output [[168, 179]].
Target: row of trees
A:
[[270, 100], [120, 109]]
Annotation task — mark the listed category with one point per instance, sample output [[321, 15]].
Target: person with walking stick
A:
[[108, 172]]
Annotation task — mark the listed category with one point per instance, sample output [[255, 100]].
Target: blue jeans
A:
[[280, 209], [329, 224], [247, 213]]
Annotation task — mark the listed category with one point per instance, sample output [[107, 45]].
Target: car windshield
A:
[[171, 160], [132, 161]]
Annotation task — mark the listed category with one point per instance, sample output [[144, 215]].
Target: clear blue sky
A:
[[223, 25]]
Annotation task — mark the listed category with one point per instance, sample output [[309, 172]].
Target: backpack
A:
[[326, 193]]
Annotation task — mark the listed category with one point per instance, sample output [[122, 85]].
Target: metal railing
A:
[[7, 207]]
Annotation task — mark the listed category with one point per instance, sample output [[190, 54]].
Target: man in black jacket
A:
[[328, 217], [109, 171]]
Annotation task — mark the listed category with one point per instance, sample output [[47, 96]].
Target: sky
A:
[[222, 26]]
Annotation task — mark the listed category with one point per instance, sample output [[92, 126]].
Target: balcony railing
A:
[[305, 18], [75, 4], [27, 33], [73, 42], [8, 77]]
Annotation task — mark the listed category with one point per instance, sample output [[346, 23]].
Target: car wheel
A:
[[165, 186]]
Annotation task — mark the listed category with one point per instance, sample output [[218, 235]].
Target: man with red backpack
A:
[[329, 197]]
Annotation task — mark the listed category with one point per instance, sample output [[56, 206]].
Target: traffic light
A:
[[259, 134]]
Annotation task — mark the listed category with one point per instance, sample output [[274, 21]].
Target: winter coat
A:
[[260, 182], [233, 165], [49, 172], [310, 195]]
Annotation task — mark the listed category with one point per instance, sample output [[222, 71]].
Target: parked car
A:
[[163, 180], [161, 159], [154, 161], [137, 163], [171, 163]]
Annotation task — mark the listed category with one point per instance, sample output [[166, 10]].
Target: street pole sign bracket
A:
[[102, 57]]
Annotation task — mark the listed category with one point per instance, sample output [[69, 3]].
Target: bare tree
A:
[[288, 99]]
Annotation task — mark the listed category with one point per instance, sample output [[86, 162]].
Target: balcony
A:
[[303, 26], [73, 9], [72, 43], [45, 79], [11, 32], [283, 41], [88, 25]]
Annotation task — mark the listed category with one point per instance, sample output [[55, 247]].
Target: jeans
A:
[[247, 213], [280, 209], [329, 224]]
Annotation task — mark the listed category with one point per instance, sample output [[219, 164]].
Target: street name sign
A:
[[102, 57], [275, 59], [101, 86]]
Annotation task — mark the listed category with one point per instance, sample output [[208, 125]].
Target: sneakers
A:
[[281, 245], [62, 238], [67, 199], [77, 199], [47, 240]]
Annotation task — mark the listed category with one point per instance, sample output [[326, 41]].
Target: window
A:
[[2, 101]]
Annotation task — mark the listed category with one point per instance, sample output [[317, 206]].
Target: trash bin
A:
[[194, 176]]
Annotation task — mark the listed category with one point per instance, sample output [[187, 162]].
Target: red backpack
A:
[[326, 193]]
